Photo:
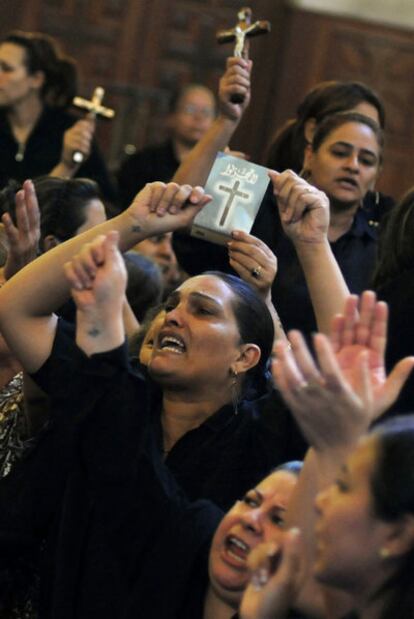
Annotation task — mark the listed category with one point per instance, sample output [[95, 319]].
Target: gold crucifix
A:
[[244, 29], [94, 108]]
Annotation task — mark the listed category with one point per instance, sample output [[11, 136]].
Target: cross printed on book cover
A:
[[237, 187]]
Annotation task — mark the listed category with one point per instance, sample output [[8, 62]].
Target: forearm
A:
[[41, 287], [195, 168], [99, 330], [326, 284], [64, 170]]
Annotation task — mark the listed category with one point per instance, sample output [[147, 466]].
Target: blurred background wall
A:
[[139, 49]]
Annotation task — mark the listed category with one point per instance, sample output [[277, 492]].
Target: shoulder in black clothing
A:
[[154, 163]]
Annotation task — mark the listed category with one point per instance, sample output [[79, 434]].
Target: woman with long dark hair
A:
[[37, 134]]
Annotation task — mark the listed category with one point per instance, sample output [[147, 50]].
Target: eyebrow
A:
[[349, 145], [175, 296]]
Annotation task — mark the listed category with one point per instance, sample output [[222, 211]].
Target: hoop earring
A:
[[384, 553], [234, 391]]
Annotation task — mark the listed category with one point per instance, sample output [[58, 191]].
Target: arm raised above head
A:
[[334, 399], [304, 213], [27, 301], [197, 164]]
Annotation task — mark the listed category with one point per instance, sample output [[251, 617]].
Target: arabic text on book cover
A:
[[237, 187]]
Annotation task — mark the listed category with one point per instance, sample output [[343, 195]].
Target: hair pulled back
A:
[[327, 98], [331, 123], [255, 326], [42, 54]]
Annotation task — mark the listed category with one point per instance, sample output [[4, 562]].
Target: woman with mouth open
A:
[[96, 487], [74, 489], [354, 502]]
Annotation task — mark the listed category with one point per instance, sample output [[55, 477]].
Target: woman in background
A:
[[37, 134]]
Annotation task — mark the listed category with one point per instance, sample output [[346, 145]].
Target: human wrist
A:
[[99, 330], [311, 249], [227, 123]]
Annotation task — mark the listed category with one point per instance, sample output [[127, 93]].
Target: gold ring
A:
[[256, 272]]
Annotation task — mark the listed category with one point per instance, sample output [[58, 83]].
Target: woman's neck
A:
[[215, 607], [341, 220], [23, 117], [183, 412]]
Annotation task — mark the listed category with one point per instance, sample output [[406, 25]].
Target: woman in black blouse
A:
[[37, 134]]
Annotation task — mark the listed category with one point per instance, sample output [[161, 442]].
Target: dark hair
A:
[[144, 287], [255, 326], [42, 54], [287, 148], [179, 93], [62, 205], [396, 247], [61, 201], [329, 124], [392, 487]]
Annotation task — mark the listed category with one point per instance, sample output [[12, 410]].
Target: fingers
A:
[[82, 268], [79, 138], [364, 322], [393, 385], [237, 153], [235, 81], [10, 229], [273, 562], [252, 259], [168, 198], [172, 198], [303, 209]]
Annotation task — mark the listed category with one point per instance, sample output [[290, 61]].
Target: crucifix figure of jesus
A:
[[233, 194], [243, 30]]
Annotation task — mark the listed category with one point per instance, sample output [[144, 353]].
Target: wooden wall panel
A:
[[140, 49]]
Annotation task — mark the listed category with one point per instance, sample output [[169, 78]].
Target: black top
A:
[[355, 253], [43, 151], [399, 294], [154, 163], [122, 540]]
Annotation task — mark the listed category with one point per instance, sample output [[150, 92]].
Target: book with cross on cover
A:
[[237, 187]]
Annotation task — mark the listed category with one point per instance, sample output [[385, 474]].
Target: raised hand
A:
[[97, 276], [275, 578], [23, 238], [161, 207], [304, 210], [336, 396], [329, 412], [252, 259], [363, 328], [236, 80]]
